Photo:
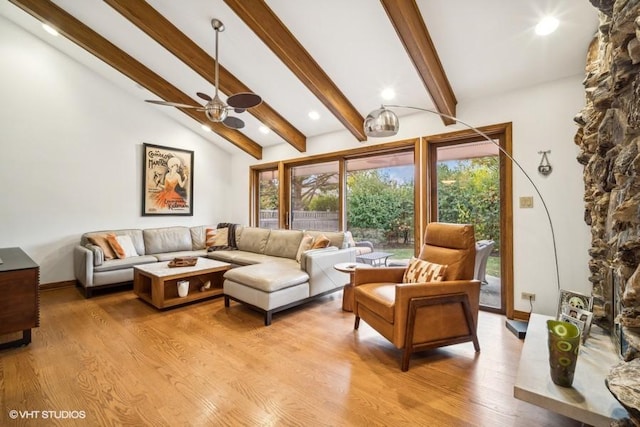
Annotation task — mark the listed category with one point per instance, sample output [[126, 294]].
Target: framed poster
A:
[[167, 181]]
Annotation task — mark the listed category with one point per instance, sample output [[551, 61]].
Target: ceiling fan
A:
[[216, 110]]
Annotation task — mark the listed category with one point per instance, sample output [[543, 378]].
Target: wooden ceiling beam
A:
[[268, 27], [85, 37], [407, 20], [159, 28]]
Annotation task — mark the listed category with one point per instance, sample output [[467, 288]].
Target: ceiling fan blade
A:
[[233, 122], [204, 96], [239, 110], [171, 104], [244, 100]]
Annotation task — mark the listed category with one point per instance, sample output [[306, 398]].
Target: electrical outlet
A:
[[528, 295]]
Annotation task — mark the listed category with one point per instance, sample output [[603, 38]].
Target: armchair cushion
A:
[[380, 297], [420, 271]]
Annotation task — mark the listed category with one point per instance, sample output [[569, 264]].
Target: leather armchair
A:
[[420, 316]]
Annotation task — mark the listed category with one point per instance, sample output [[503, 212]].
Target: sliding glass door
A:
[[466, 189], [380, 201]]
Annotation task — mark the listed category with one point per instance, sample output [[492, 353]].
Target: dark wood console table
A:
[[19, 295]]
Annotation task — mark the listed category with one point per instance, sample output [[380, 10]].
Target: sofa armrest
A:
[[319, 266], [83, 265]]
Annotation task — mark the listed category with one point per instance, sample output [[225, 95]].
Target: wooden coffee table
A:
[[157, 283]]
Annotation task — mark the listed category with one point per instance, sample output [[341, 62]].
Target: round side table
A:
[[347, 295]]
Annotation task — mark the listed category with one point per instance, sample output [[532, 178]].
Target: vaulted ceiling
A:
[[333, 57]]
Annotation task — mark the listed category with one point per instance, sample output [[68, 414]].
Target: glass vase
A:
[[564, 346]]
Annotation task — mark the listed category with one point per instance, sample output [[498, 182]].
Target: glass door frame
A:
[[502, 133]]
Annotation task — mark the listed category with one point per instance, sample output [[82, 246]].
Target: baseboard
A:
[[57, 285], [521, 315]]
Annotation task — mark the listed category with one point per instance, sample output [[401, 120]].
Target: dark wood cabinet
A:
[[19, 295]]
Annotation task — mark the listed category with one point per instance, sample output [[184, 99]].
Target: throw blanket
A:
[[231, 238]]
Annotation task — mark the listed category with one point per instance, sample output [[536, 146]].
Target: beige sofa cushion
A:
[[283, 243], [167, 239], [268, 277], [198, 236], [253, 239]]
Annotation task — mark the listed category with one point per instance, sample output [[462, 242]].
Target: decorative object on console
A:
[[215, 109], [574, 299], [167, 181], [564, 346]]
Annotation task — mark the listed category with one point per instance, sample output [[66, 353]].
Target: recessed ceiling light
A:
[[264, 129], [314, 115], [547, 25], [49, 29], [388, 94], [206, 128]]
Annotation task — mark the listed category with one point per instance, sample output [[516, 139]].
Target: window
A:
[[268, 198], [314, 202]]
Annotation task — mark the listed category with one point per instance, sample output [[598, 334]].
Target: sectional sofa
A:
[[271, 273]]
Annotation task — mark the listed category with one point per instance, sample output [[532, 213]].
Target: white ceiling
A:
[[486, 47]]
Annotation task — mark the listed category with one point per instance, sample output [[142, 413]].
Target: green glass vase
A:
[[564, 346]]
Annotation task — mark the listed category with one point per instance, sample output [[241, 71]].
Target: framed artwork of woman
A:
[[167, 181]]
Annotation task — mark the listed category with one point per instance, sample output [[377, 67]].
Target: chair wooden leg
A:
[[356, 325]]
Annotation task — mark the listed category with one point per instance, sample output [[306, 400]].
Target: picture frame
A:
[[583, 316], [577, 322], [574, 299], [167, 181]]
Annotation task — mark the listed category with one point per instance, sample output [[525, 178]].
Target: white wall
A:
[[542, 118], [71, 152]]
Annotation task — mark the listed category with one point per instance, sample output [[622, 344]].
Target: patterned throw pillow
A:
[[420, 271], [222, 237]]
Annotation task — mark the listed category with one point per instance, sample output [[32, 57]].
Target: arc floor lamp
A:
[[384, 122]]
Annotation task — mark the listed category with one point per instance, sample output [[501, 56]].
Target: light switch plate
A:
[[526, 202]]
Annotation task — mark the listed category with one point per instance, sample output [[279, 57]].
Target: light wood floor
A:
[[122, 362]]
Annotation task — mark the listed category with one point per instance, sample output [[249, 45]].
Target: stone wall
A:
[[609, 138]]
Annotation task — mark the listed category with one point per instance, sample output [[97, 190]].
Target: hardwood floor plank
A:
[[123, 362]]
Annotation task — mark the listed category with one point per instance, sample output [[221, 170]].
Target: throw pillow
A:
[[210, 236], [100, 240], [305, 244], [321, 242], [122, 246], [221, 237], [420, 271]]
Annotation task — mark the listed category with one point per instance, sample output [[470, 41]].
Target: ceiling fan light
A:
[[216, 114], [380, 123]]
